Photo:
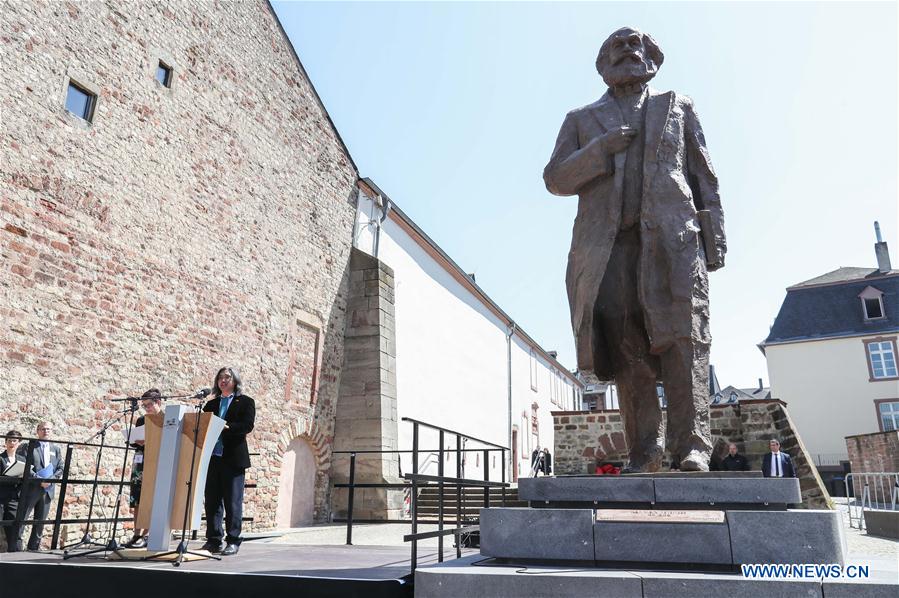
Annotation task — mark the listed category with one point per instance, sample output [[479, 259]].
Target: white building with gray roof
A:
[[832, 355]]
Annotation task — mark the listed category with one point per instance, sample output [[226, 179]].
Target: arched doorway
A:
[[296, 494]]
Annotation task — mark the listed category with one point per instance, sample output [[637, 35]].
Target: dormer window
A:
[[872, 303]]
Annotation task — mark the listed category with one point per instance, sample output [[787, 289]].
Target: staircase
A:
[[472, 502]]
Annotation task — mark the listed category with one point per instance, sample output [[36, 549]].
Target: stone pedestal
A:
[[705, 519], [653, 535]]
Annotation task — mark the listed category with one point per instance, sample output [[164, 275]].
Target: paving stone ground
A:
[[860, 543]]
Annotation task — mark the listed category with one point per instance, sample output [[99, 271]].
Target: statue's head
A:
[[627, 57]]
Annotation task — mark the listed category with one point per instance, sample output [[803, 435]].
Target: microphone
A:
[[202, 394]]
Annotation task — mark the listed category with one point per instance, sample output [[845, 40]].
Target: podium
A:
[[169, 448]]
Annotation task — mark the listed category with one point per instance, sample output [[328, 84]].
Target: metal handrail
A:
[[454, 433], [416, 480], [441, 479], [385, 451]]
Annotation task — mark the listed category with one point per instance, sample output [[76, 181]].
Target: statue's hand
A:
[[617, 140], [717, 265]]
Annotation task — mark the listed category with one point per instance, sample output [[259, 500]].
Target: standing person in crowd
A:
[[541, 461], [734, 461], [152, 404], [9, 493], [777, 464], [46, 460], [229, 462]]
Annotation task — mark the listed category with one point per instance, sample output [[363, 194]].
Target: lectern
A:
[[169, 449]]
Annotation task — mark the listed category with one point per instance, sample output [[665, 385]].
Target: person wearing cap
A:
[[229, 462], [151, 402]]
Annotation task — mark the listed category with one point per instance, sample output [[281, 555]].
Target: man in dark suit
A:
[[37, 496], [230, 459], [777, 464]]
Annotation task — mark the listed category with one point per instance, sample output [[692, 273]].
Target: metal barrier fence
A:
[[870, 491], [415, 481], [28, 482]]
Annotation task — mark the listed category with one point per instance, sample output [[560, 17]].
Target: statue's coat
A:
[[678, 180]]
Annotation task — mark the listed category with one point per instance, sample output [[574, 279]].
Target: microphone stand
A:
[[86, 540], [182, 548], [113, 546]]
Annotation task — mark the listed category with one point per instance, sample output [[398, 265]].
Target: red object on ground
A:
[[607, 469]]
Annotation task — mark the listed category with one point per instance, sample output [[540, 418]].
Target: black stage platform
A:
[[261, 569]]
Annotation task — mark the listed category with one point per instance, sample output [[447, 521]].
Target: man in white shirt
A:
[[777, 464], [37, 496]]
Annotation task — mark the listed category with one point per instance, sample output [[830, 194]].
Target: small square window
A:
[[889, 416], [80, 101], [882, 360], [164, 74], [873, 308]]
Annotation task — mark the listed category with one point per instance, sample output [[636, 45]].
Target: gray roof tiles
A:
[[829, 306], [844, 274]]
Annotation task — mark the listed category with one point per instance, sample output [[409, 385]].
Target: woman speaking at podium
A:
[[152, 404], [229, 462]]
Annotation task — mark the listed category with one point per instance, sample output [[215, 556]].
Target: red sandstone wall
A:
[[874, 453], [582, 439], [184, 229]]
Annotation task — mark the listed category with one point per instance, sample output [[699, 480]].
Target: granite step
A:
[[475, 577], [663, 536], [656, 489]]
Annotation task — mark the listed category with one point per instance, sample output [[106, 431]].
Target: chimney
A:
[[553, 354], [882, 252], [761, 386]]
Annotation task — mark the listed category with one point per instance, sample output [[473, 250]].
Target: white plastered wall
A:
[[452, 357], [827, 390]]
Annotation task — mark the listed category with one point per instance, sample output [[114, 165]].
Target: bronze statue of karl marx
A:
[[649, 228]]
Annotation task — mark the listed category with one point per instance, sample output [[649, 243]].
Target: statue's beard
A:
[[629, 72]]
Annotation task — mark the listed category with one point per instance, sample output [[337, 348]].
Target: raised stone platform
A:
[[738, 537], [475, 577], [655, 535], [543, 534], [712, 489]]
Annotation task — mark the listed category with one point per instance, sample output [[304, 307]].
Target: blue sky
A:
[[453, 109]]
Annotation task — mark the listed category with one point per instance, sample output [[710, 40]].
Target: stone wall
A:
[[183, 229], [366, 408], [584, 439], [874, 453]]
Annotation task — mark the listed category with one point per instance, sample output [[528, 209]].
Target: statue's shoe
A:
[[650, 462], [695, 461]]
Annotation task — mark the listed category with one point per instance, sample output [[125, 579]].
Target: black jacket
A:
[[734, 463], [786, 465], [241, 417], [9, 491]]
